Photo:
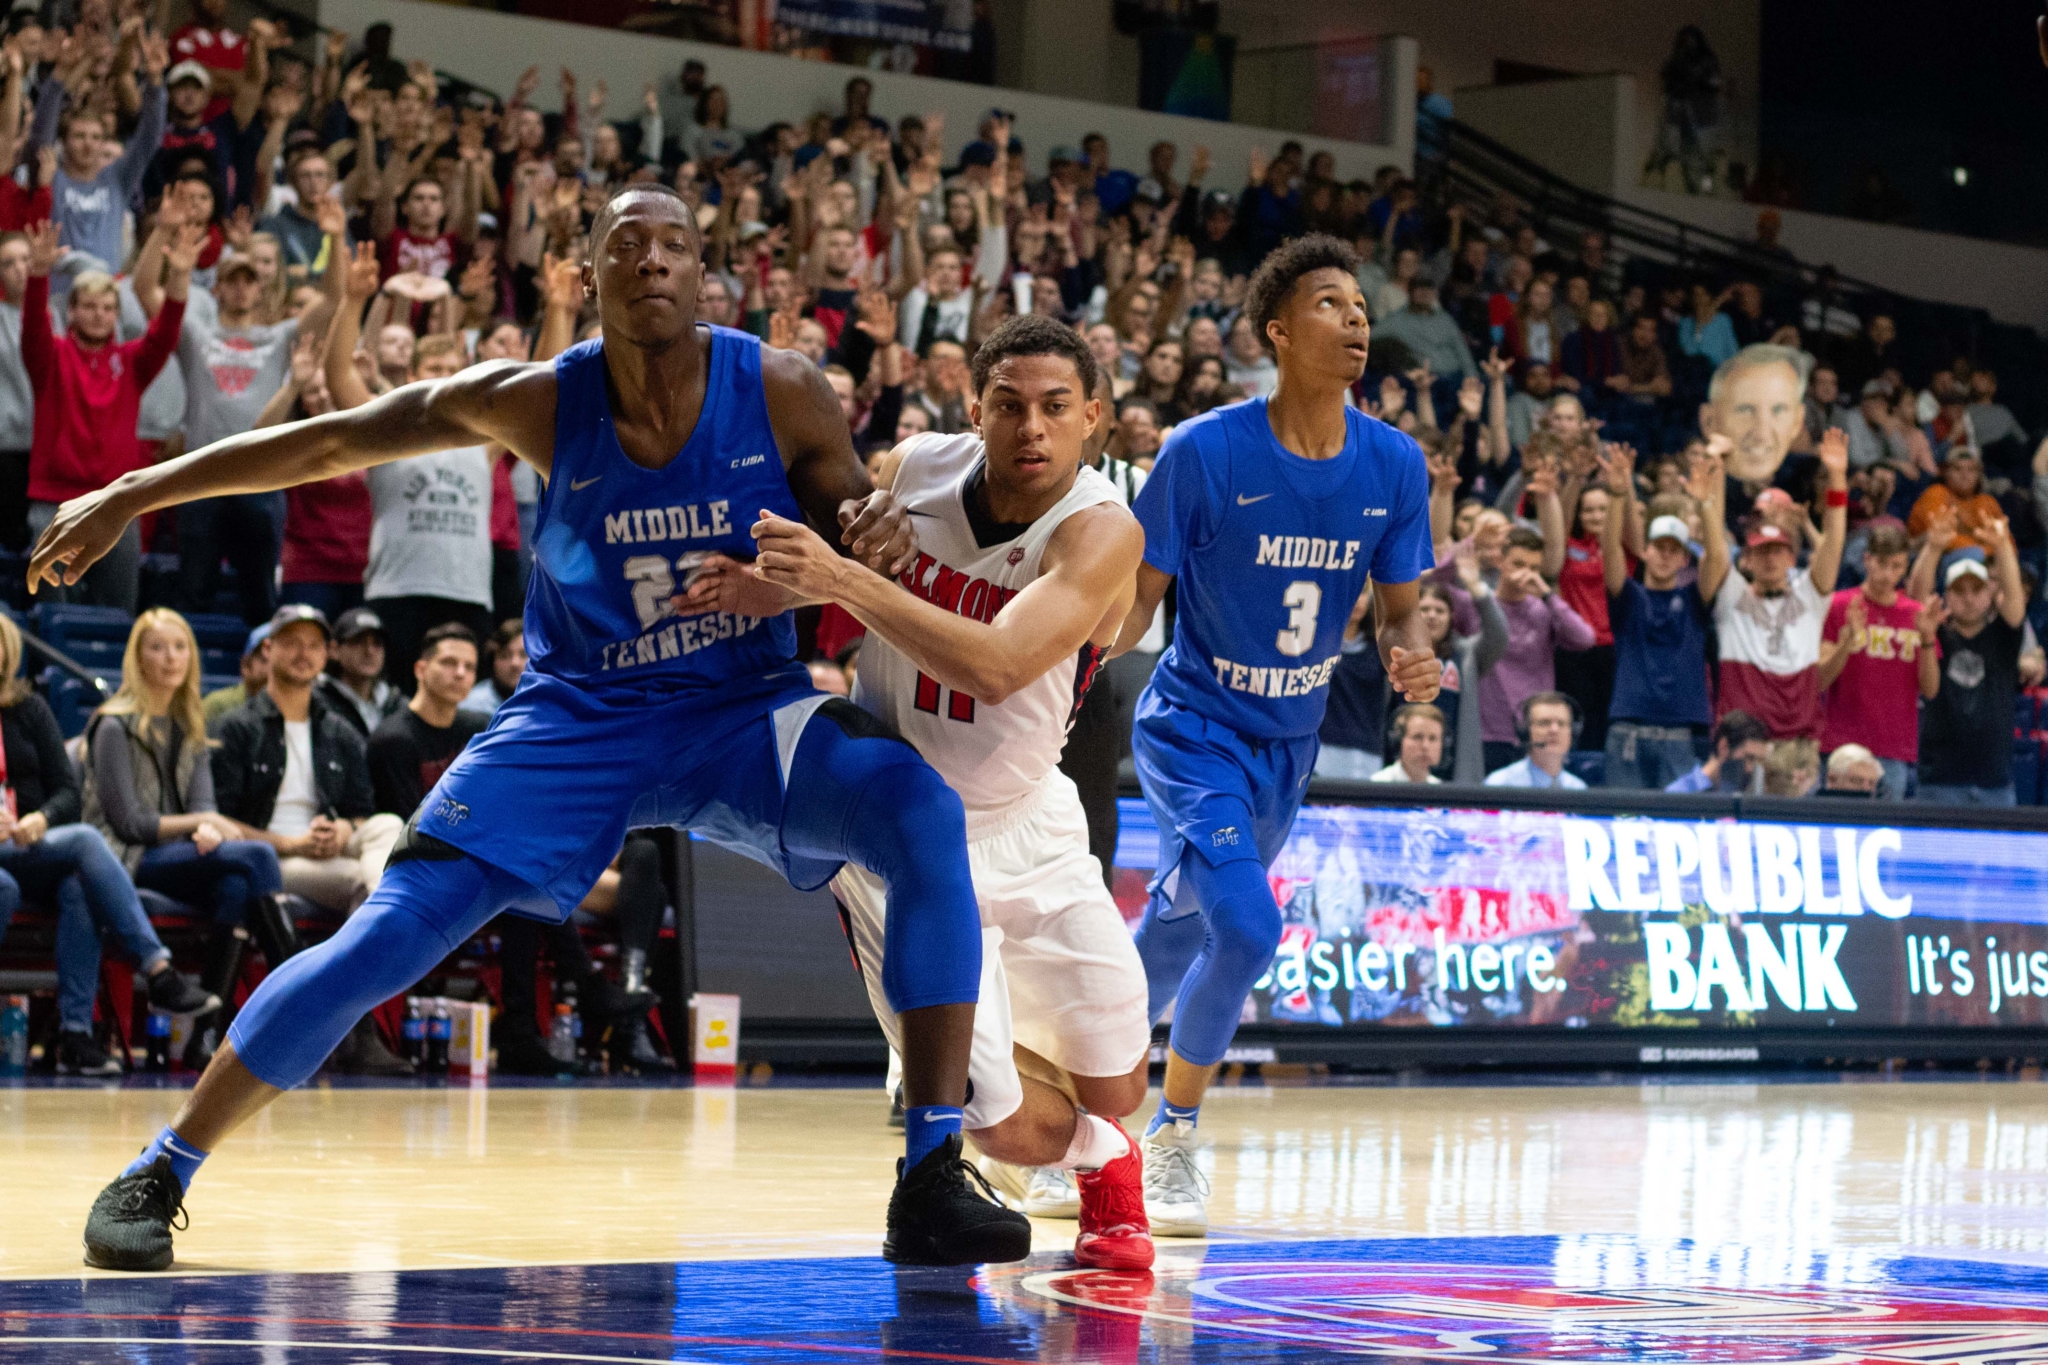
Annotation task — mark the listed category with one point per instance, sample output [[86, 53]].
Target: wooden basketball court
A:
[[1860, 1218]]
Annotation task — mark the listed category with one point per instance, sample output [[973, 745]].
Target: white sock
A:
[[1096, 1143]]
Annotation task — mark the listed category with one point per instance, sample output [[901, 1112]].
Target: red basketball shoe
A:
[[1114, 1233]]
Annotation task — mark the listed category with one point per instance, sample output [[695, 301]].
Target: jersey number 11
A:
[[959, 705]]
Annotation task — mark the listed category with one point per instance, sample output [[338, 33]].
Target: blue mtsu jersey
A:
[[614, 541], [1270, 551]]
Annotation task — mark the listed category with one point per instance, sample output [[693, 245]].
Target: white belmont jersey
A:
[[993, 756]]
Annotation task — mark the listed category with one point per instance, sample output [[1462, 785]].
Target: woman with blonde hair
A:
[[149, 792], [47, 853]]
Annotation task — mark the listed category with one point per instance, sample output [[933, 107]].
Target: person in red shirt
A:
[[1878, 658], [88, 389], [1587, 675], [209, 41]]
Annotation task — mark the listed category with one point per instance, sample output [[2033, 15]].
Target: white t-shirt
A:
[[297, 799], [1393, 772]]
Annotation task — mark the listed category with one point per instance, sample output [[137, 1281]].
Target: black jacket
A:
[[248, 765], [37, 767]]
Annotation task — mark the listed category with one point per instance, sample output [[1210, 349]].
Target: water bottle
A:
[[14, 1036], [157, 1043], [413, 1035], [440, 1027], [562, 1036]]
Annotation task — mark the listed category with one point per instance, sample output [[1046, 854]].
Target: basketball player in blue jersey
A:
[[1273, 516], [660, 444]]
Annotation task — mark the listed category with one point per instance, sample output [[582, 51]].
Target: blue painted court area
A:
[[1491, 1299]]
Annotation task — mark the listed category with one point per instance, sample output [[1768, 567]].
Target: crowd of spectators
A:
[[1694, 532]]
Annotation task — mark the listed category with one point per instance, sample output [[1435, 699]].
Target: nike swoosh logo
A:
[[1243, 501], [913, 512], [578, 485]]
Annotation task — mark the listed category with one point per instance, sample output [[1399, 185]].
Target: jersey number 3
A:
[[1304, 601]]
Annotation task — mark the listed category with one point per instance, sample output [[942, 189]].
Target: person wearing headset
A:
[[1548, 725]]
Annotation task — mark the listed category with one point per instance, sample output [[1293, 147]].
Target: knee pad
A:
[[1237, 901]]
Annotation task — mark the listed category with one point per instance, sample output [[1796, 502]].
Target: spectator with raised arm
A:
[[1770, 616], [1966, 727], [88, 395], [93, 191], [1878, 663], [1539, 624], [1661, 623]]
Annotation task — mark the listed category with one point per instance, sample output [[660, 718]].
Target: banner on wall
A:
[[1412, 917], [947, 25]]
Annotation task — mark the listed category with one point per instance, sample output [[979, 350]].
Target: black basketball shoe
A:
[[131, 1222], [944, 1213]]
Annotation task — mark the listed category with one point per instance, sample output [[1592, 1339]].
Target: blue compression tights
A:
[[420, 912], [871, 800], [861, 798], [1205, 949]]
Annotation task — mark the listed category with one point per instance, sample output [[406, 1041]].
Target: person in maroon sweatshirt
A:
[[88, 389]]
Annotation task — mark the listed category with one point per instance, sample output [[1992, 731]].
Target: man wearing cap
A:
[[91, 195], [1660, 631], [1770, 616], [354, 686], [1966, 728], [298, 775], [214, 128], [1959, 496], [255, 673], [233, 362]]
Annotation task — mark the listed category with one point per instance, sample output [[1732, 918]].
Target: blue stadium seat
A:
[[2026, 771], [94, 636], [72, 699], [220, 642]]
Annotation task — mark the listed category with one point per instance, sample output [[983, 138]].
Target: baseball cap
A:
[[752, 229], [1670, 528], [188, 70], [1769, 533], [358, 621], [977, 154], [1965, 568], [1960, 451], [1218, 201], [1150, 190], [1877, 388], [256, 638], [1064, 152], [295, 613], [805, 155], [231, 262], [1772, 497]]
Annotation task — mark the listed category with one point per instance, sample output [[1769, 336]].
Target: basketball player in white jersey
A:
[[979, 656]]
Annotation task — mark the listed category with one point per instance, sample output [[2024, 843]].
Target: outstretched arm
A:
[[1082, 595], [1826, 564], [505, 402]]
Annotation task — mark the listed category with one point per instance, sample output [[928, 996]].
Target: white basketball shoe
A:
[[1174, 1188]]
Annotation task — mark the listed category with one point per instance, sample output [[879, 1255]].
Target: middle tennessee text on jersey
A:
[[1270, 551], [616, 541]]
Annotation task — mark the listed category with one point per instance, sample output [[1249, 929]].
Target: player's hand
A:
[[722, 583], [1416, 675], [83, 530], [879, 532], [796, 558]]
